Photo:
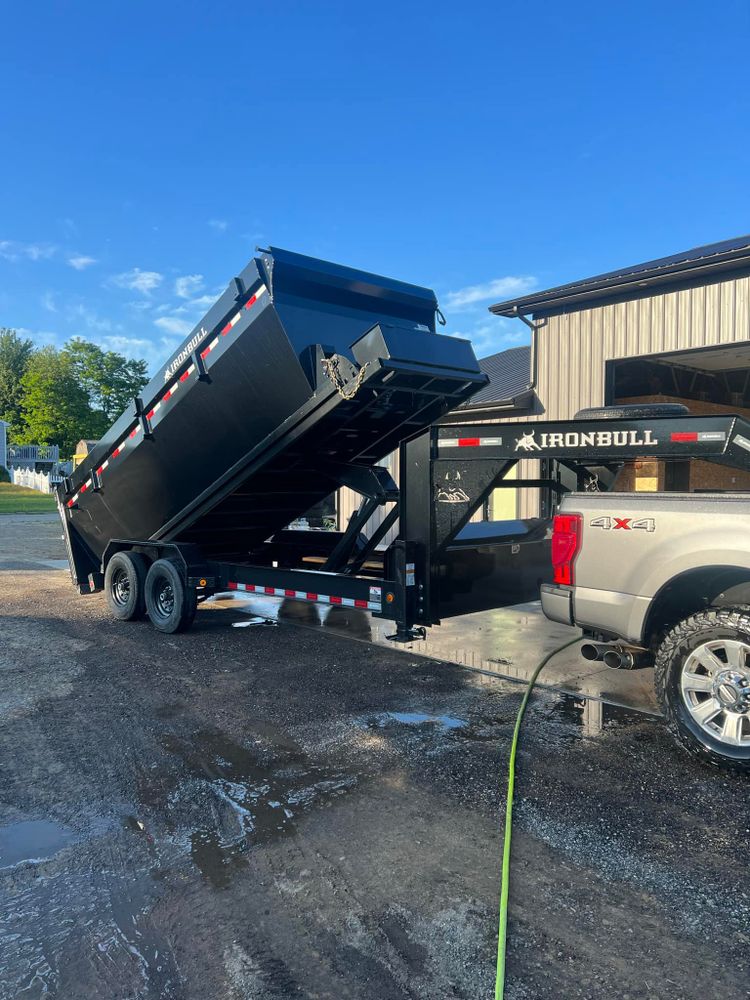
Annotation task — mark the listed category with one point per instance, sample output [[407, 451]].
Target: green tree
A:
[[55, 405], [15, 353], [109, 379]]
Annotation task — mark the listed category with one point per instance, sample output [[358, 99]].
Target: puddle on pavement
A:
[[32, 841], [240, 796], [564, 718], [590, 717], [416, 719], [75, 925]]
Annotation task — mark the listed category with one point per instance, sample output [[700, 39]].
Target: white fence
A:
[[26, 454], [42, 481]]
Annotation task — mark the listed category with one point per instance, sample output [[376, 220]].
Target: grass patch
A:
[[19, 500]]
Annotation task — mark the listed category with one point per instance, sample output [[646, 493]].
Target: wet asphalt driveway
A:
[[274, 812]]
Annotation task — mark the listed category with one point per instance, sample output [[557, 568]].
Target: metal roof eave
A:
[[518, 405], [579, 293]]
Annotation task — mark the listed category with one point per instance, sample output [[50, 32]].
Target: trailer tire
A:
[[170, 604], [125, 585], [721, 638]]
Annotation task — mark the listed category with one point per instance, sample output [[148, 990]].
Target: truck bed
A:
[[632, 544]]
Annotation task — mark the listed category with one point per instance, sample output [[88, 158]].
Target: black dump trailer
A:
[[300, 379]]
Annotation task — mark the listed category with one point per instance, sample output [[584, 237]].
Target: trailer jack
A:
[[406, 633]]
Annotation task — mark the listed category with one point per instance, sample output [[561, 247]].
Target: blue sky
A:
[[482, 149]]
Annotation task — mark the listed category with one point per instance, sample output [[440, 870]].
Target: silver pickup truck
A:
[[664, 578]]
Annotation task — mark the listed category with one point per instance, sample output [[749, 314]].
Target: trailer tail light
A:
[[567, 530]]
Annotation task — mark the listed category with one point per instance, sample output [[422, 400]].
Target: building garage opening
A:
[[705, 380]]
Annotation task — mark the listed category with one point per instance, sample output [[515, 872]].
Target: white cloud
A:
[[137, 280], [188, 285], [13, 251], [493, 336], [203, 302], [80, 261], [490, 291], [42, 338], [130, 346], [174, 324], [220, 225], [48, 302], [153, 350], [91, 319]]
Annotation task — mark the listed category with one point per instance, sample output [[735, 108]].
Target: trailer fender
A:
[[186, 557]]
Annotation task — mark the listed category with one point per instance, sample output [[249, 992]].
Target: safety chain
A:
[[331, 367]]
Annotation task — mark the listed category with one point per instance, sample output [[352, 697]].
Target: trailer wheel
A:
[[702, 678], [125, 585], [170, 605]]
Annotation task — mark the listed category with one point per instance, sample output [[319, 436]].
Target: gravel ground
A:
[[272, 812]]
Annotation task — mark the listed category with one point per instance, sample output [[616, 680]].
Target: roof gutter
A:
[[581, 292], [519, 401], [534, 327]]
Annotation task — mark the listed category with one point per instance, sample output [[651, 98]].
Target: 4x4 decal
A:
[[624, 523]]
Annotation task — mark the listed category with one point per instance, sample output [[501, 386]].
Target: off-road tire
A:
[[171, 606], [125, 585], [709, 625]]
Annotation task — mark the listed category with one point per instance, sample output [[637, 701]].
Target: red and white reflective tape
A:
[[172, 389], [81, 489], [479, 442], [207, 350], [237, 316], [686, 436], [303, 595]]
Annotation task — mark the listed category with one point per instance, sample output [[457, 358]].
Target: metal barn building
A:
[[675, 329]]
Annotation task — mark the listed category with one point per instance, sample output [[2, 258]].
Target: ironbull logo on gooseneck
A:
[[587, 439]]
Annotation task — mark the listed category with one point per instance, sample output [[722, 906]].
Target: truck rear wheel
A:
[[125, 585], [702, 678], [171, 606]]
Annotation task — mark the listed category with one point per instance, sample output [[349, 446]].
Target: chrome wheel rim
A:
[[715, 688], [165, 600], [121, 588]]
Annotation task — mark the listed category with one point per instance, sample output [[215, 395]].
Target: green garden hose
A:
[[505, 880]]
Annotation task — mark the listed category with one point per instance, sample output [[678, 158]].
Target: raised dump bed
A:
[[298, 380]]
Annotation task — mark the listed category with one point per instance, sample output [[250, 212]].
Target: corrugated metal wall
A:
[[573, 348]]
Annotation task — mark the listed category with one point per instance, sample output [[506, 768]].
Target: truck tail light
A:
[[567, 530]]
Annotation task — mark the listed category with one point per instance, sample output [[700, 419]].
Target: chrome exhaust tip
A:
[[593, 651], [619, 659]]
